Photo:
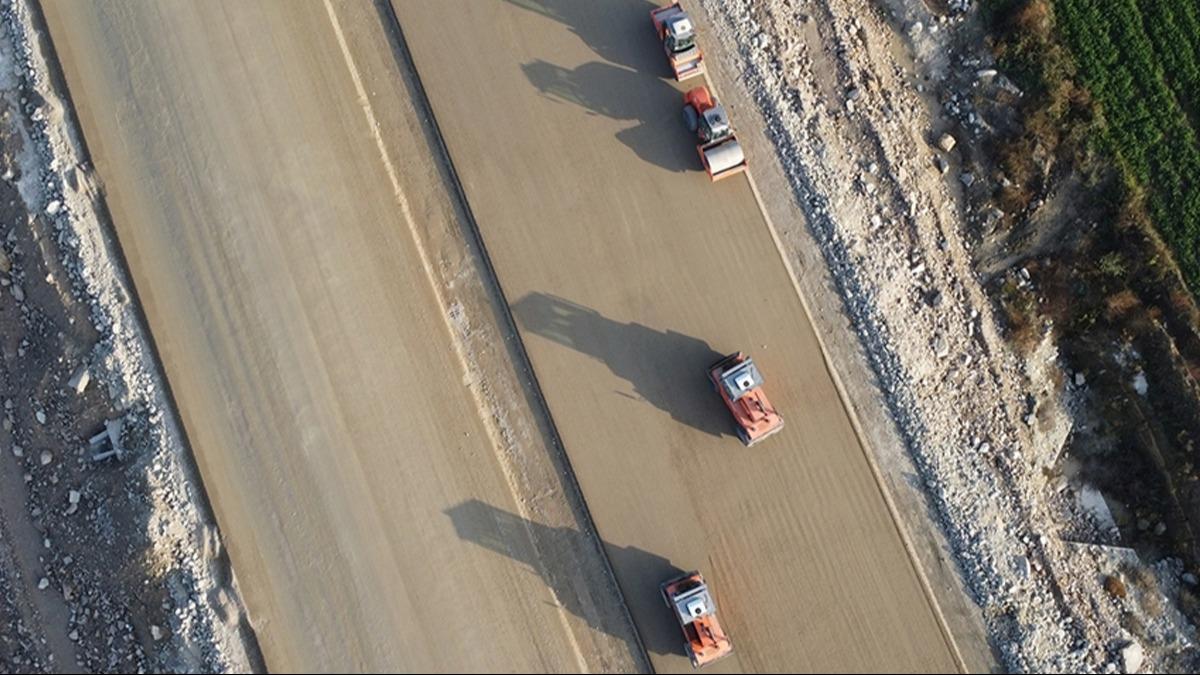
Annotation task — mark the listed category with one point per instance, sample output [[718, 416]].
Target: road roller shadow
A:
[[637, 47], [549, 551], [667, 369], [659, 137]]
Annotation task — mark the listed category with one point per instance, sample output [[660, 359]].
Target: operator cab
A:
[[714, 124], [680, 35]]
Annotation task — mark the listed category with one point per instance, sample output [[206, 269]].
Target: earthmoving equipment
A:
[[678, 36], [739, 383], [719, 148], [693, 606]]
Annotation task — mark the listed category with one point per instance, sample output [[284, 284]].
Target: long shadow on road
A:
[[507, 533], [659, 137], [634, 46], [667, 369]]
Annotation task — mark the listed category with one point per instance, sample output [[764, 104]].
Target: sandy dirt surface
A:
[[628, 274], [386, 502]]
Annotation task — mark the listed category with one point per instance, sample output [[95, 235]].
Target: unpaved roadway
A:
[[628, 274], [365, 515], [267, 204]]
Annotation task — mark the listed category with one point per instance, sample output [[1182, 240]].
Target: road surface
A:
[[362, 508], [250, 175], [629, 273]]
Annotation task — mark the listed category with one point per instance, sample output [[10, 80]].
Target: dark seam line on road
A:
[[433, 129], [59, 84]]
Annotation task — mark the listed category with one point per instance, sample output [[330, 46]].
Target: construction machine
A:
[[739, 383], [678, 36], [719, 148], [693, 607]]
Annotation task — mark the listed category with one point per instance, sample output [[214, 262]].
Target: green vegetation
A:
[[1140, 61]]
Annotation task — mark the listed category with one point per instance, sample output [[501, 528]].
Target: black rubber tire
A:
[[690, 119]]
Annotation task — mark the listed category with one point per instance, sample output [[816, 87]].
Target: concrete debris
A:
[[946, 142], [107, 443], [1133, 656], [79, 379]]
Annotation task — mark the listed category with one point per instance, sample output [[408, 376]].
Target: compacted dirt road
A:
[[267, 205], [367, 516], [629, 273]]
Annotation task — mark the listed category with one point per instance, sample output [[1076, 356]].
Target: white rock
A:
[[41, 416], [18, 451], [940, 348], [43, 584], [156, 632], [53, 207], [73, 496], [1140, 385], [1021, 566], [79, 379], [18, 293], [1080, 380], [46, 457], [1133, 656]]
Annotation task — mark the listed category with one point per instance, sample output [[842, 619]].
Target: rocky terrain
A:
[[869, 109], [109, 558]]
